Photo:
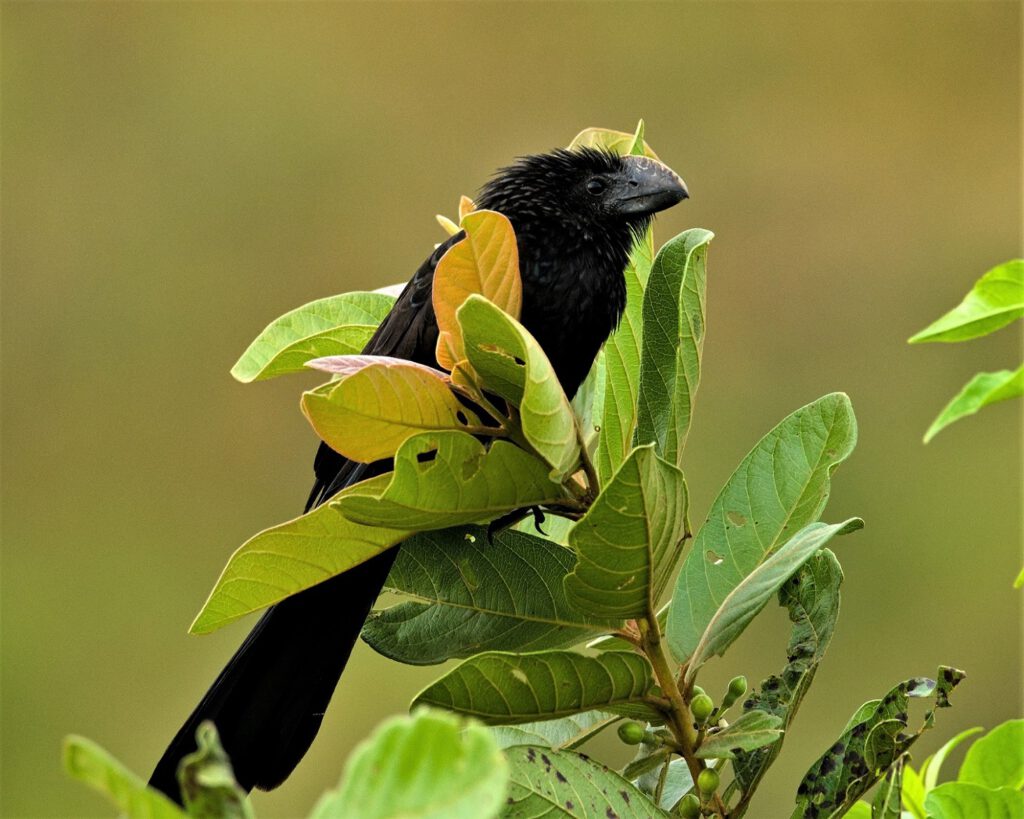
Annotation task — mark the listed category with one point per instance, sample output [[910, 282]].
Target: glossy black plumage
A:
[[575, 215]]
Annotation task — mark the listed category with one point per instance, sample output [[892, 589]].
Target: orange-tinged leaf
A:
[[466, 206], [485, 262], [379, 403], [619, 142]]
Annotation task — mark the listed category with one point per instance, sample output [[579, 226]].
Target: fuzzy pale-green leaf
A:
[[996, 299], [629, 540], [750, 731], [780, 487], [337, 325], [619, 142], [980, 391], [559, 734], [449, 478], [470, 593], [208, 781]]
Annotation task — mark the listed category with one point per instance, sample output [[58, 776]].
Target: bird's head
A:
[[584, 189]]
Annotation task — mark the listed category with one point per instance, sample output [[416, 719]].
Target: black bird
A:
[[575, 215]]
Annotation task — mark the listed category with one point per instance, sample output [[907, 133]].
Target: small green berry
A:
[[632, 733], [737, 688], [689, 807], [707, 781], [697, 691], [702, 706]]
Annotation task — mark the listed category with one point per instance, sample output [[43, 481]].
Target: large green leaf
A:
[[629, 540], [87, 762], [980, 391], [378, 403], [932, 765], [871, 743], [812, 599], [473, 594], [997, 759], [547, 783], [337, 325], [448, 478], [428, 766], [622, 366], [672, 778], [559, 734], [996, 299], [293, 556], [507, 689], [673, 339], [753, 730], [780, 487], [962, 800], [208, 780], [511, 363], [752, 594]]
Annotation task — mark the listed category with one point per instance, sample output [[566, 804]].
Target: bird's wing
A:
[[408, 331]]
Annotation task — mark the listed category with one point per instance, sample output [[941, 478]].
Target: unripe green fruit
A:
[[632, 733], [702, 706], [689, 807], [697, 691], [707, 781], [738, 686]]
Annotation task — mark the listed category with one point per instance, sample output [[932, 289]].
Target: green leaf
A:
[[622, 366], [1019, 581], [962, 800], [750, 595], [812, 599], [558, 734], [208, 780], [471, 595], [873, 741], [629, 540], [673, 340], [637, 146], [378, 403], [860, 810], [507, 689], [87, 762], [337, 325], [753, 730], [888, 796], [619, 142], [293, 556], [672, 777], [547, 783], [780, 487], [449, 478], [588, 403], [980, 391], [511, 363], [997, 759], [996, 299], [912, 793], [428, 766], [933, 764]]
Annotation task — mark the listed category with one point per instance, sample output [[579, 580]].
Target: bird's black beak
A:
[[647, 186]]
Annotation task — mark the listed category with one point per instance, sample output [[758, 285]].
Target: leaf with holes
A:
[[673, 341], [337, 325], [780, 487], [980, 391], [428, 765], [293, 556], [996, 299], [378, 403], [471, 593], [629, 540], [449, 478], [510, 363], [485, 262], [559, 734], [871, 743], [509, 689], [741, 605], [752, 730]]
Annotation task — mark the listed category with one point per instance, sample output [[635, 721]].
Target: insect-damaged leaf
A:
[[293, 556], [548, 783], [871, 743], [780, 487], [471, 593], [485, 262], [337, 325], [509, 689], [629, 540], [378, 403], [510, 363], [449, 478]]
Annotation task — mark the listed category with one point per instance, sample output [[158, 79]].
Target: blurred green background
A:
[[176, 175]]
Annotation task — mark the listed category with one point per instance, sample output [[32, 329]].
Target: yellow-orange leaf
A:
[[485, 262], [379, 403], [466, 206]]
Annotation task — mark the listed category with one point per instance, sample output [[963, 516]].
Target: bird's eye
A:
[[596, 186]]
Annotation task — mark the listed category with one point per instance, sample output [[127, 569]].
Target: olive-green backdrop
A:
[[175, 175]]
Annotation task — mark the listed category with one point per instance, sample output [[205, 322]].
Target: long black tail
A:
[[269, 700]]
